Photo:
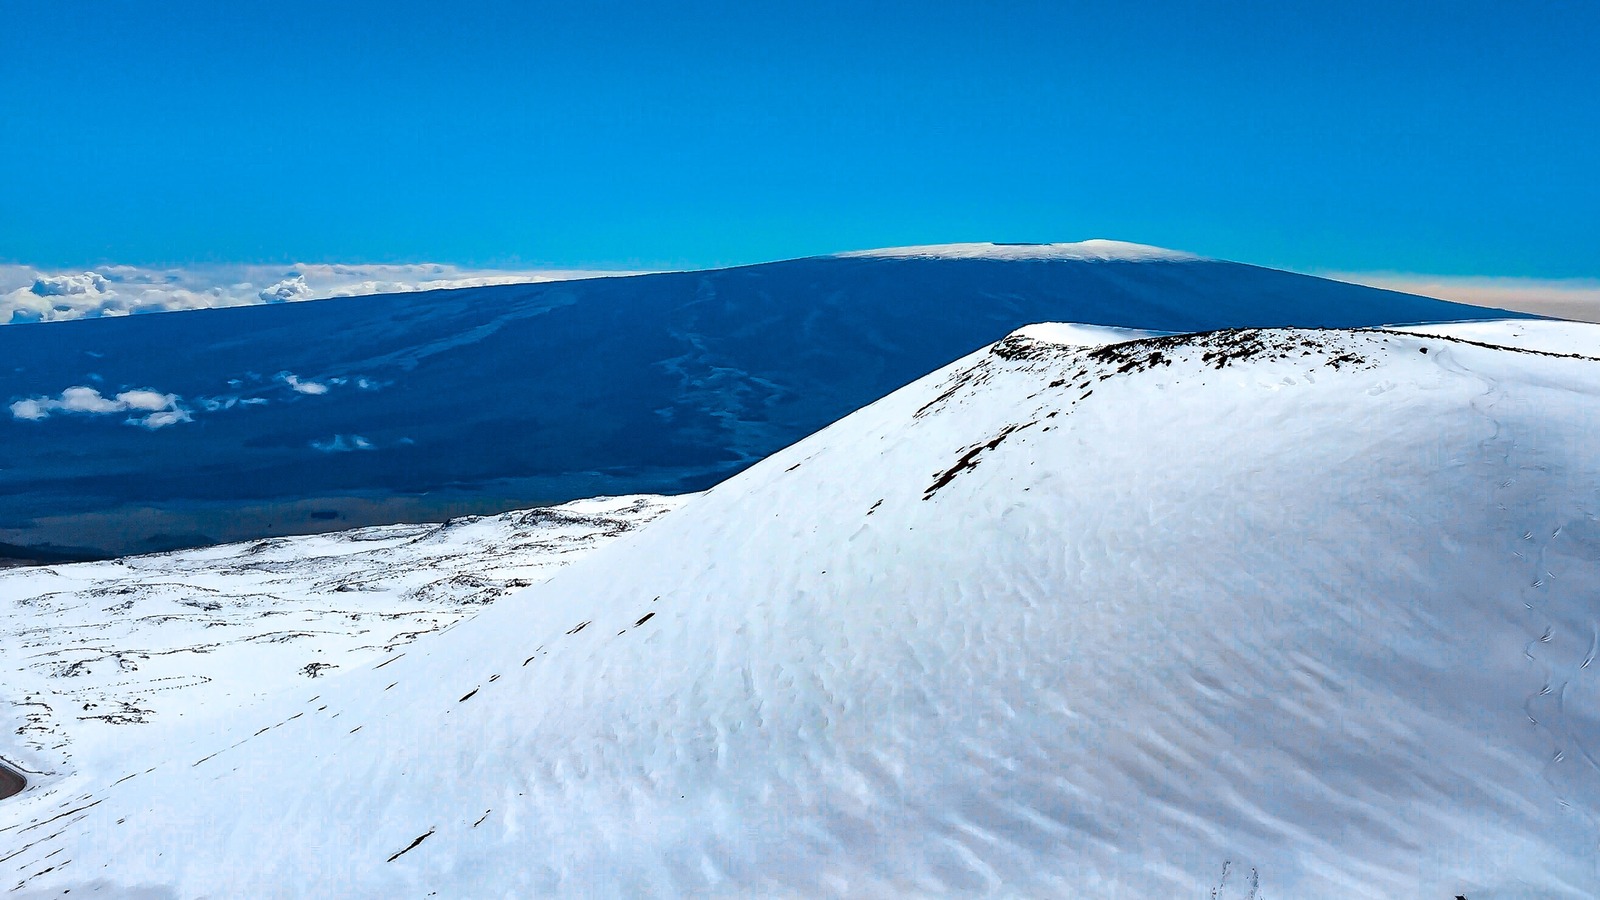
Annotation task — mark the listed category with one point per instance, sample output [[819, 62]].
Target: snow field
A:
[[106, 658]]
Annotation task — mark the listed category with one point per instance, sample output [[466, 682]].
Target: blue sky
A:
[[1452, 138]]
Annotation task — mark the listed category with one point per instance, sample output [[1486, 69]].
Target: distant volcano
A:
[[180, 429]]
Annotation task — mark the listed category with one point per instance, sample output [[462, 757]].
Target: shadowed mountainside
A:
[[229, 424]]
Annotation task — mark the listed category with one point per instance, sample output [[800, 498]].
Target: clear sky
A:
[[1453, 137]]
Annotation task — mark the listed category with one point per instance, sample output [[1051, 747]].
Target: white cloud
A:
[[161, 419], [159, 410], [286, 290], [343, 444], [150, 401], [1567, 298], [70, 285], [30, 410], [88, 400], [228, 401], [300, 386], [29, 294]]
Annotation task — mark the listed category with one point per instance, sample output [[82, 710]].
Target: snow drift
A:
[[325, 415], [1309, 613]]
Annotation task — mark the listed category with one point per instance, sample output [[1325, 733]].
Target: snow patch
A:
[[1072, 334]]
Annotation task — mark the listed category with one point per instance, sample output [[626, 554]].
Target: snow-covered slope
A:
[[183, 429], [1547, 335], [89, 650], [1286, 613]]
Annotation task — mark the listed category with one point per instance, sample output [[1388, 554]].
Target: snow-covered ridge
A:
[[1072, 334], [1256, 612], [1086, 251], [1542, 335]]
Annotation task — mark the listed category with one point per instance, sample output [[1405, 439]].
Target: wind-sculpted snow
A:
[[1271, 613], [325, 415], [88, 649]]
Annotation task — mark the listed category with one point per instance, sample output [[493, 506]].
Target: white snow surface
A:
[[98, 657], [1072, 334], [1279, 613], [1546, 335], [1091, 250]]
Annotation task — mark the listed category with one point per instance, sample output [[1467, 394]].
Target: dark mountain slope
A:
[[316, 416]]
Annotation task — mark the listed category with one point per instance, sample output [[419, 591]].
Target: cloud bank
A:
[[153, 410], [149, 409], [1566, 298], [29, 294]]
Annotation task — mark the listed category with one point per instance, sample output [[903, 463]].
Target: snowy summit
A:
[[1087, 251]]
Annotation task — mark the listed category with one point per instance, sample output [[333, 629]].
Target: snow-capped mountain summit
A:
[[1255, 612], [1091, 250], [189, 428]]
